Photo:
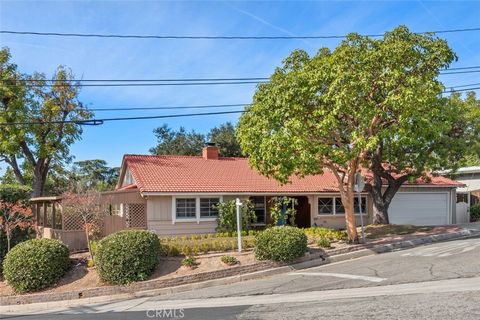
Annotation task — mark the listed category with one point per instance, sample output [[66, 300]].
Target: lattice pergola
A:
[[135, 215]]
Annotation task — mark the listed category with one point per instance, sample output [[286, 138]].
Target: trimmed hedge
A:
[[283, 243], [36, 264], [127, 256]]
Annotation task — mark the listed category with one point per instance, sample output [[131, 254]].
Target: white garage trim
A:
[[448, 211]]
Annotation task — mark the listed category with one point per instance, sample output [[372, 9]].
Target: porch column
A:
[[45, 208]]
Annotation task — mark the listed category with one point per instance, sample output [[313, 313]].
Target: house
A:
[[469, 194], [174, 195]]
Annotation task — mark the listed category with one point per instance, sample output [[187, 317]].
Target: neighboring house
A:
[[469, 194], [174, 195]]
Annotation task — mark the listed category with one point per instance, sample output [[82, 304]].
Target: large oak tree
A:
[[330, 111]]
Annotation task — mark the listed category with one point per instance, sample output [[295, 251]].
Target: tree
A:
[[225, 138], [86, 205], [94, 175], [14, 211], [183, 143], [329, 111], [426, 144], [25, 99]]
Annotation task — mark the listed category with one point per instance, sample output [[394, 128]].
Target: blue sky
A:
[[93, 58]]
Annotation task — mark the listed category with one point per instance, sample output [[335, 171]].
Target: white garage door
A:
[[421, 209]]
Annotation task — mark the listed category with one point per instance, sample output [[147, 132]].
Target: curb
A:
[[116, 293]]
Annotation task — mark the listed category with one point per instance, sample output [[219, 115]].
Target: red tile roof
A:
[[182, 174]]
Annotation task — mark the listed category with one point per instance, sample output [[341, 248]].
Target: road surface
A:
[[437, 281]]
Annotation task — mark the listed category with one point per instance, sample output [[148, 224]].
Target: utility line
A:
[[125, 36], [171, 108], [68, 84], [96, 122]]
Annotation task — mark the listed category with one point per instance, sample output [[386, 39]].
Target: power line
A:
[[146, 80], [459, 72], [140, 84], [124, 36], [96, 122], [194, 79], [171, 108]]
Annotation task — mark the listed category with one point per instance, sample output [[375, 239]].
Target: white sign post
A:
[[359, 185], [239, 225]]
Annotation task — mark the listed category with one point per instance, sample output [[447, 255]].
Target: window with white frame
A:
[[333, 205], [208, 207], [128, 178], [260, 208], [186, 208]]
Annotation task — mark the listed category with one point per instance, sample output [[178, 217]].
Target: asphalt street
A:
[[437, 281]]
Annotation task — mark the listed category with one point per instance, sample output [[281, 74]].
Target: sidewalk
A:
[[227, 276]]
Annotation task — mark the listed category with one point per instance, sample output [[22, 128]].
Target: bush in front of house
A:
[[280, 244], [127, 256], [35, 264], [475, 212], [190, 262], [229, 260], [323, 242]]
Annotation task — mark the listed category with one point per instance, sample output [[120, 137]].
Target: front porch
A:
[[119, 210]]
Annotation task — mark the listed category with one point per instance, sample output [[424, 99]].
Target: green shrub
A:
[[189, 262], [280, 244], [227, 216], [323, 242], [229, 260], [127, 256], [330, 234], [18, 235], [36, 264], [475, 212]]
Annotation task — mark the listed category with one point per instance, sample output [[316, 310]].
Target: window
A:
[[128, 178], [259, 208], [339, 208], [334, 205], [207, 207], [364, 205], [462, 197], [325, 205], [186, 208]]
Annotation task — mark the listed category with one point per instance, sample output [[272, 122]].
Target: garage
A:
[[421, 209]]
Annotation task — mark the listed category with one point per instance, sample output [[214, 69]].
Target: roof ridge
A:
[[177, 156]]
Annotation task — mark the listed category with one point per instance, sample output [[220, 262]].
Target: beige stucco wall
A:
[[159, 213]]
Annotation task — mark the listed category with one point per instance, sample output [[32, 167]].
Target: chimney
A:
[[210, 151]]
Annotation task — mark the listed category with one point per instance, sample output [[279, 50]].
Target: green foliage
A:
[[229, 260], [18, 235], [94, 175], [323, 242], [227, 216], [277, 203], [225, 138], [40, 147], [184, 143], [333, 109], [36, 264], [175, 246], [330, 234], [475, 212], [127, 256], [189, 262], [280, 244]]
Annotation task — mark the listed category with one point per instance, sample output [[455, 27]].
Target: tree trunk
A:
[[347, 202], [382, 197], [40, 172], [8, 234]]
